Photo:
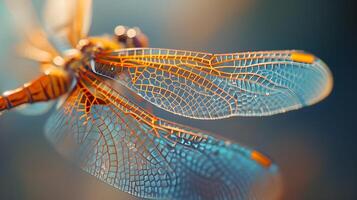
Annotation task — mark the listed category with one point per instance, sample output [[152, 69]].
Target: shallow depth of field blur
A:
[[314, 147]]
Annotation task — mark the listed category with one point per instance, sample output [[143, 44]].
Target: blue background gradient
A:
[[314, 147]]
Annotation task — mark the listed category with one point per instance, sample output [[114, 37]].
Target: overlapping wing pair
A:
[[136, 152], [130, 149], [67, 20], [64, 22]]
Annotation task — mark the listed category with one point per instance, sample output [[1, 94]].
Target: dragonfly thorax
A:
[[85, 51]]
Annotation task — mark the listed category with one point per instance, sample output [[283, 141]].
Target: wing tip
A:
[[270, 186], [326, 83]]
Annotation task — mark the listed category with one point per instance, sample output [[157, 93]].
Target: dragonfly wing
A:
[[36, 45], [36, 109], [111, 140], [68, 19], [210, 86], [82, 20]]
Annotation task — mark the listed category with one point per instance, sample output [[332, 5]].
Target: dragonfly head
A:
[[131, 37], [85, 50], [95, 44]]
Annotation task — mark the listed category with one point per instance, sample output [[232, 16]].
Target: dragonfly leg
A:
[[48, 86]]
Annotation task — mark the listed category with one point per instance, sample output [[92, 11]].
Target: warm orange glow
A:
[[260, 158], [82, 42], [104, 42], [302, 57], [58, 60]]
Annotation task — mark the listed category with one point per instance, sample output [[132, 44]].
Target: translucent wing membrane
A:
[[67, 20], [36, 45], [210, 86], [65, 23], [136, 152]]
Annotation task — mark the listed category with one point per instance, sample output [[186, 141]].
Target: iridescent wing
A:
[[136, 152], [68, 20], [210, 86]]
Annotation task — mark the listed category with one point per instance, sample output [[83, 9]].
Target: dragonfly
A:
[[121, 143]]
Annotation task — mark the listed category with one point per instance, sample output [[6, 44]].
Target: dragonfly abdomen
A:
[[50, 85]]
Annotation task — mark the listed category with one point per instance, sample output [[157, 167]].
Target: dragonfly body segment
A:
[[49, 86]]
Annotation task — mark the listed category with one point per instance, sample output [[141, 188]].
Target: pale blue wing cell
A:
[[113, 145], [211, 86]]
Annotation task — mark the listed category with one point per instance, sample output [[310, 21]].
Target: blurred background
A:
[[314, 147]]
